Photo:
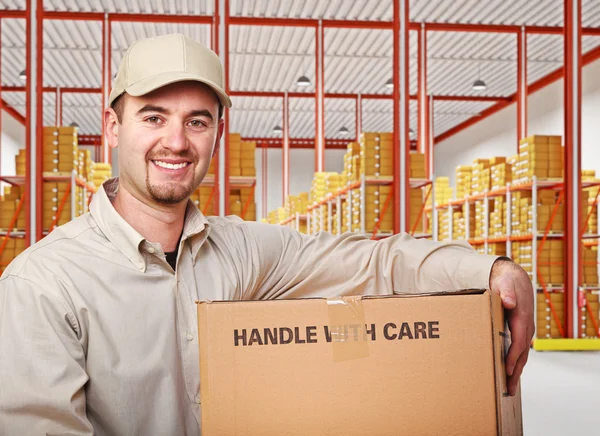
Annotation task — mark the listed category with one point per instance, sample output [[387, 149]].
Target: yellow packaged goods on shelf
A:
[[550, 314], [417, 165]]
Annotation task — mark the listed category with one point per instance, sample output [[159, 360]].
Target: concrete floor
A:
[[561, 394]]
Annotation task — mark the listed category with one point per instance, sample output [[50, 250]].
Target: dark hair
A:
[[118, 105]]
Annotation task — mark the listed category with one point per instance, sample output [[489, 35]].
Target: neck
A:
[[156, 223]]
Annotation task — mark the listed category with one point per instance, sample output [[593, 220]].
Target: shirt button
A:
[[190, 336], [151, 250], [198, 399]]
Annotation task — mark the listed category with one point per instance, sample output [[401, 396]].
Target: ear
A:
[[220, 131], [111, 127]]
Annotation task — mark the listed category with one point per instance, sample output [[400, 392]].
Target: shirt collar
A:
[[126, 238]]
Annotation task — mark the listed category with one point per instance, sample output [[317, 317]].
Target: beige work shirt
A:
[[98, 335]]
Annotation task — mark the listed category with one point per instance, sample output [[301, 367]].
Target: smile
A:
[[170, 166]]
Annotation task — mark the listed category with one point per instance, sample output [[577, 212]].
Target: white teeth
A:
[[170, 166]]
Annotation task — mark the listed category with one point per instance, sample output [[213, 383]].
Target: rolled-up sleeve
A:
[[42, 363], [288, 264]]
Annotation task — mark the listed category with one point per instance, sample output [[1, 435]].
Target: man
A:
[[98, 328]]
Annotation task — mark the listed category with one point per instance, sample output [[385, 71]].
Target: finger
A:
[[505, 286], [513, 380], [518, 346]]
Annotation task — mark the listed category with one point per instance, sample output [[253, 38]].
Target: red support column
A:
[[521, 85], [572, 164], [423, 138], [401, 108], [33, 133], [221, 37], [285, 152], [106, 81], [320, 99], [0, 98]]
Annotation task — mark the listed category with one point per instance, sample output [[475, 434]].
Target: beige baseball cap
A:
[[152, 63]]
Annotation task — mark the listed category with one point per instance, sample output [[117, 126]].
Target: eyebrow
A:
[[162, 110]]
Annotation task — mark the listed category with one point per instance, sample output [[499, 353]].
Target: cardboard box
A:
[[356, 366]]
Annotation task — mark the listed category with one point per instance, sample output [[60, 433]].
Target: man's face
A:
[[165, 141]]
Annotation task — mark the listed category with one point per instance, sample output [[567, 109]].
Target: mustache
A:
[[187, 155]]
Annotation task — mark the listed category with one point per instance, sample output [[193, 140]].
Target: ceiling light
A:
[[343, 131], [277, 129], [23, 75], [479, 85], [73, 124], [411, 132], [303, 81], [389, 84]]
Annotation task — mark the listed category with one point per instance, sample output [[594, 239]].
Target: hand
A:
[[514, 286]]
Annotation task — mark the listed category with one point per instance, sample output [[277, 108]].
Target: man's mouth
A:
[[170, 166]]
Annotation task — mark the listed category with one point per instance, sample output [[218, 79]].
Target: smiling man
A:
[[98, 321]]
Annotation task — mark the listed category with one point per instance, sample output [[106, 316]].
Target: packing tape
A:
[[347, 329]]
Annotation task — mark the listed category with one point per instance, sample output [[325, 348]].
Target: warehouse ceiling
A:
[[262, 58]]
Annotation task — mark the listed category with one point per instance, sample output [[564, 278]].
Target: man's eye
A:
[[153, 120], [196, 123]]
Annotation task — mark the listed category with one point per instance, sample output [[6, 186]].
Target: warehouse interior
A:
[[465, 120]]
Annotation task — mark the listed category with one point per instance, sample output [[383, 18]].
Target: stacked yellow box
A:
[[351, 171], [248, 160], [57, 209], [479, 219], [443, 225], [458, 226], [417, 165], [522, 254], [8, 209], [417, 215], [592, 209], [501, 173], [479, 177], [375, 200], [546, 207], [376, 154], [443, 191], [590, 266], [520, 207], [497, 249], [68, 152], [324, 185], [547, 326], [100, 173], [513, 162], [540, 156], [235, 202], [550, 263], [248, 204], [463, 181], [20, 162], [587, 327], [50, 150], [234, 156], [13, 247], [497, 217]]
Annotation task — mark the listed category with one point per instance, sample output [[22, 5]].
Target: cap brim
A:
[[152, 83]]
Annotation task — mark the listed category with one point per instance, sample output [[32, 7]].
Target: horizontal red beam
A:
[[162, 18], [473, 98], [69, 15], [12, 14], [308, 143], [65, 90], [274, 22], [557, 74], [131, 18], [12, 112]]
